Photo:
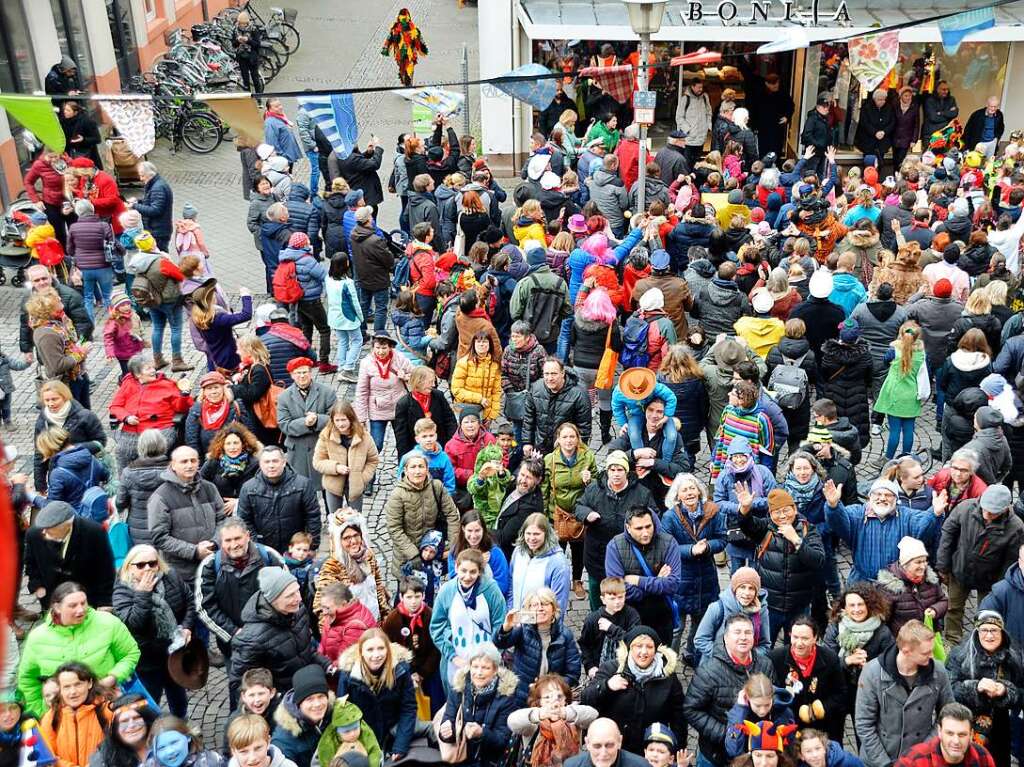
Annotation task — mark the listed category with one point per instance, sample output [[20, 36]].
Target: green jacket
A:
[[490, 492], [545, 279], [602, 131], [562, 485], [898, 396], [347, 713], [101, 641]]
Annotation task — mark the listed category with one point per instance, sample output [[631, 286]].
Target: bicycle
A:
[[196, 127], [278, 26]]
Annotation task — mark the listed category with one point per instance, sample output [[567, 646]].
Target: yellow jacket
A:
[[534, 231], [475, 381], [761, 333]]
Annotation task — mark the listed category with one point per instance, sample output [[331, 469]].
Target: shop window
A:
[[122, 32], [69, 19], [150, 8], [976, 72], [17, 65]]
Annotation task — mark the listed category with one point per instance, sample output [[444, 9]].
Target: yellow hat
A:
[[145, 242]]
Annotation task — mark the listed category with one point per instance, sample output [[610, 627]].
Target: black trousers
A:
[[312, 314], [58, 222], [250, 71]]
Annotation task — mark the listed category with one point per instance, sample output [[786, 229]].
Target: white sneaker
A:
[[876, 429]]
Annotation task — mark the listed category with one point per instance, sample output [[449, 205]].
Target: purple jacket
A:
[[221, 349], [85, 242]]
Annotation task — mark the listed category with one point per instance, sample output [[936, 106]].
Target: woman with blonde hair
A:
[[998, 294], [346, 458], [74, 468], [528, 223], [58, 408], [570, 143], [251, 388], [156, 605], [596, 328], [905, 388], [977, 314]]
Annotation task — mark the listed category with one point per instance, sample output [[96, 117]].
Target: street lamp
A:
[[645, 18]]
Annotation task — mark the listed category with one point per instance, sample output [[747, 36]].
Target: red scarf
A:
[[423, 398], [279, 115], [415, 619], [805, 664], [746, 664], [385, 369], [211, 416]]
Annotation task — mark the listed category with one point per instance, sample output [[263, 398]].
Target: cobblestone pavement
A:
[[340, 45]]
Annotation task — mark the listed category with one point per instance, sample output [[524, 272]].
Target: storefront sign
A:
[[644, 103], [771, 11]]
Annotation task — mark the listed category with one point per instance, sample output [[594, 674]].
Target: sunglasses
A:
[[151, 564]]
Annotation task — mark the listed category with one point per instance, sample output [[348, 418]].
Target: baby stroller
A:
[[14, 253]]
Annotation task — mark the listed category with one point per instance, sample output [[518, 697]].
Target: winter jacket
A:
[[423, 207], [988, 324], [848, 292], [101, 641], [284, 342], [612, 507], [589, 338], [344, 629], [408, 411], [936, 316], [929, 753], [994, 458], [411, 511], [974, 552], [651, 596], [475, 380], [362, 171], [513, 514], [180, 516], [889, 716], [899, 393], [372, 260], [938, 113], [698, 577], [547, 567], [711, 628], [678, 298], [546, 410], [52, 183], [762, 333], [694, 116], [360, 456], [310, 272], [199, 438], [975, 127], [825, 683], [154, 403], [295, 736], [390, 712], [87, 238], [87, 559], [688, 233], [300, 439], [609, 194], [275, 511], [277, 642], [712, 693], [490, 710], [137, 608], [136, 484], [463, 452], [74, 308], [376, 397], [875, 119], [421, 656], [845, 374], [1007, 598], [157, 208], [562, 655], [73, 471], [719, 305], [790, 576], [331, 216], [223, 587], [909, 600], [279, 135], [874, 540], [691, 407], [79, 732]]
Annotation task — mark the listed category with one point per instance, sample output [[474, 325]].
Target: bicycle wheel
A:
[[268, 67], [290, 36], [201, 132], [280, 50]]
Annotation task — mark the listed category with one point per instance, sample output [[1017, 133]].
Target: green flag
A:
[[36, 114]]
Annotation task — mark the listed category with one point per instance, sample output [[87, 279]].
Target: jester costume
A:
[[406, 44]]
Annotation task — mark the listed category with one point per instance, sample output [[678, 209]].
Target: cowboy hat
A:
[[637, 383], [190, 666]]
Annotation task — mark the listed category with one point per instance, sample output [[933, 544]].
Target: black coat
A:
[[976, 125], [136, 611], [81, 425], [612, 507], [976, 258], [390, 711], [791, 577], [872, 120], [816, 132], [938, 113], [88, 561], [588, 340], [361, 171], [664, 468], [958, 417], [138, 482], [562, 655], [547, 410], [280, 643], [490, 710], [712, 692], [822, 318], [987, 323], [157, 208], [275, 511], [82, 125], [640, 705], [225, 590], [74, 307], [372, 260], [845, 377], [199, 438], [408, 411], [331, 215], [672, 161], [825, 683], [229, 487], [511, 518]]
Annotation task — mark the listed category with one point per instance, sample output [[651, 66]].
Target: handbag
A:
[[609, 361], [567, 527], [457, 752], [422, 706], [515, 401], [459, 248], [265, 408]]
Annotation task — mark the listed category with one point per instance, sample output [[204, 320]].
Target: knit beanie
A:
[[943, 288], [746, 575], [273, 581], [298, 241], [308, 681], [849, 331], [779, 499], [188, 210], [910, 549], [951, 253], [641, 631]]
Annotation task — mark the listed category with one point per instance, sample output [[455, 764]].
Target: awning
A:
[[607, 19]]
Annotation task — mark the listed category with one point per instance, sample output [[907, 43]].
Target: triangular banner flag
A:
[[872, 57], [37, 115], [134, 123], [240, 111], [955, 28]]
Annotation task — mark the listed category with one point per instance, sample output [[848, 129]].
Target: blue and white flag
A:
[[955, 28], [336, 117], [537, 93]]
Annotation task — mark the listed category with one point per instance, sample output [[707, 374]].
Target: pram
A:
[[14, 253]]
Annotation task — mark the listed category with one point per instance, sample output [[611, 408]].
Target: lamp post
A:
[[645, 18]]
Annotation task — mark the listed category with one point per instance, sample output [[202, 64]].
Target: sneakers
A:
[[876, 429], [326, 368], [349, 376]]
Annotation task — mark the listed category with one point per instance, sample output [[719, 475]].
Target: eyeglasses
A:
[[150, 564]]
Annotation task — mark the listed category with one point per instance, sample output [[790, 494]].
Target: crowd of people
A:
[[770, 338]]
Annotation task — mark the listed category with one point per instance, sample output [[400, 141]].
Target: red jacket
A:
[[53, 183], [942, 480], [344, 631], [628, 152], [606, 278], [929, 754], [463, 453], [422, 269], [104, 196], [155, 403]]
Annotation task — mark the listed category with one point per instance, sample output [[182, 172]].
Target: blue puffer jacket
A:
[[835, 756], [413, 333], [157, 208], [563, 655], [304, 216], [698, 578], [490, 710], [311, 273], [1007, 596], [686, 234], [284, 343], [691, 407], [273, 237], [74, 470], [725, 497]]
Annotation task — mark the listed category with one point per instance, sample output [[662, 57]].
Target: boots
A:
[[159, 361], [178, 365], [605, 417]]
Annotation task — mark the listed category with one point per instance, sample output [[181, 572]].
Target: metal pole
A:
[[465, 90], [641, 199]]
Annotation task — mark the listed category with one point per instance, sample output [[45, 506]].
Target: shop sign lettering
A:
[[758, 11]]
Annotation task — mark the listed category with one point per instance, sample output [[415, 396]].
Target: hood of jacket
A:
[[862, 239], [507, 681], [348, 660], [657, 531], [336, 201], [602, 177], [881, 310], [967, 362], [760, 326], [732, 605], [845, 354], [293, 254], [724, 293], [794, 348], [669, 655], [75, 459], [895, 581], [843, 282], [174, 479], [299, 192], [290, 719], [703, 268]]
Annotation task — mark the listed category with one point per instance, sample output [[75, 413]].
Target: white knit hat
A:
[[910, 549], [652, 300]]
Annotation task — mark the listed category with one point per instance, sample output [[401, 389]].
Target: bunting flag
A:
[[699, 56], [537, 93], [437, 100], [36, 115], [134, 123], [616, 81], [336, 116], [954, 29], [239, 110], [872, 57]]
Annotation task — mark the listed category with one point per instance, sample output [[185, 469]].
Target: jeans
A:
[[350, 343], [162, 315], [379, 300], [314, 171], [898, 426], [97, 283], [5, 409], [159, 683], [563, 340], [635, 428], [427, 304], [80, 391], [377, 430]]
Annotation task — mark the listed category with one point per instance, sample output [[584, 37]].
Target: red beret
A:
[[299, 362], [943, 288], [82, 162]]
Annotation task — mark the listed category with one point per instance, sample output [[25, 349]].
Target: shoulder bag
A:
[[457, 752], [567, 527]]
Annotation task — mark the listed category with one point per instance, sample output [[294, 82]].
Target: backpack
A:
[[95, 503], [788, 383], [144, 293], [544, 311], [287, 289], [635, 353], [184, 243], [348, 304], [218, 561], [402, 277]]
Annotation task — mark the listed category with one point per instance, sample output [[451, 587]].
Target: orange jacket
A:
[[79, 732]]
